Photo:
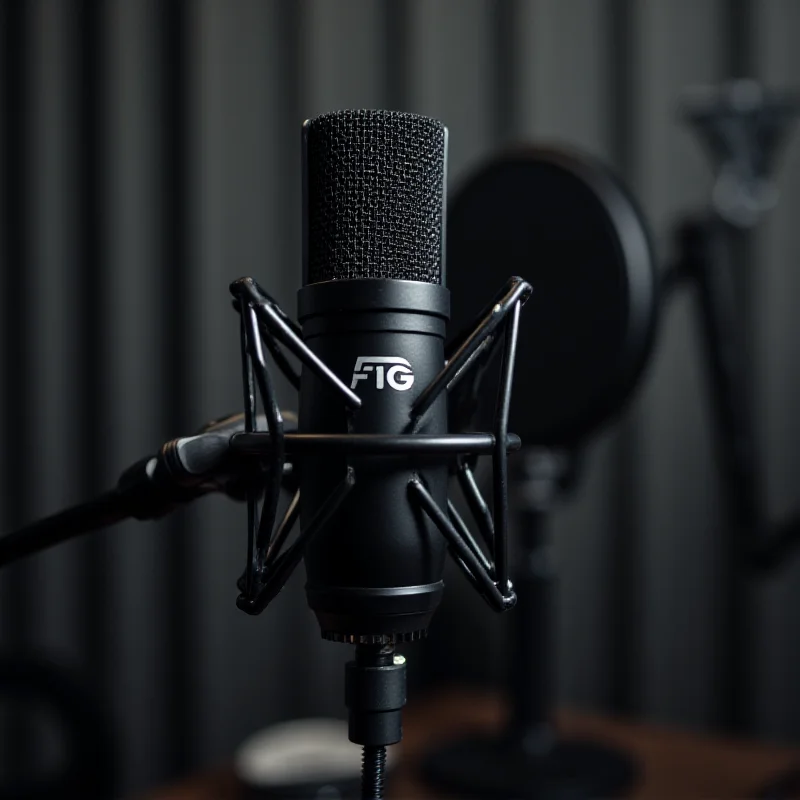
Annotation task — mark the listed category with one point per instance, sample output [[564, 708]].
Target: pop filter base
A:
[[501, 769]]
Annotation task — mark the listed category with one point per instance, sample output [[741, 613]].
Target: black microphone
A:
[[372, 452], [374, 309]]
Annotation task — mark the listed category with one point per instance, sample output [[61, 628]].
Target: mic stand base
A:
[[501, 768]]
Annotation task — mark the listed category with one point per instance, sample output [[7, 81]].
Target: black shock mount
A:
[[375, 686]]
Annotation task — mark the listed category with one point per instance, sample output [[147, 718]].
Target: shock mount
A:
[[375, 680]]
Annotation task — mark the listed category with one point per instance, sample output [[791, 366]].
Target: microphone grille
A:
[[375, 183]]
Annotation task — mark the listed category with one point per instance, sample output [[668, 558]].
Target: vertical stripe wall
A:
[[776, 347], [150, 155]]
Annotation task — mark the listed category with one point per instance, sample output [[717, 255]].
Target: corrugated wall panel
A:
[[136, 342], [451, 71], [777, 344], [343, 62], [563, 74], [54, 312], [230, 111], [18, 230], [677, 45]]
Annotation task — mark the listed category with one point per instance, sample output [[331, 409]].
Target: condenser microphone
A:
[[372, 453], [374, 308]]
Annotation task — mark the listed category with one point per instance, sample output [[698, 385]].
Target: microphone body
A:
[[373, 307], [376, 570]]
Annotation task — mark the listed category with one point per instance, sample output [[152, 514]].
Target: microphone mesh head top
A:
[[375, 196]]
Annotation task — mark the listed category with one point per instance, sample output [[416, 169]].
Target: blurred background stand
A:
[[744, 127]]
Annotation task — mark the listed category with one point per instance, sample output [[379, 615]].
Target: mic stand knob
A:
[[375, 693]]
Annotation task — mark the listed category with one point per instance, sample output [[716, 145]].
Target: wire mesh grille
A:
[[375, 196]]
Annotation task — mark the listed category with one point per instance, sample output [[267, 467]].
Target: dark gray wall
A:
[[187, 675]]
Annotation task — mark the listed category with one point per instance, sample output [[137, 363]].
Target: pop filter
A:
[[566, 223]]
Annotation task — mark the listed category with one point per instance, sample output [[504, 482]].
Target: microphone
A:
[[374, 308], [372, 453]]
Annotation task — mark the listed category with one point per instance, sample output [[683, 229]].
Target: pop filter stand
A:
[[586, 244], [530, 759], [743, 128]]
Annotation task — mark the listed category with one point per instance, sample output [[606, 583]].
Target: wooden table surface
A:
[[673, 763]]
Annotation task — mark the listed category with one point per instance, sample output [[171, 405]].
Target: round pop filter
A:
[[565, 224]]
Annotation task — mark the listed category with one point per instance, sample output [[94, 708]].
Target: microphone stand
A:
[[529, 759]]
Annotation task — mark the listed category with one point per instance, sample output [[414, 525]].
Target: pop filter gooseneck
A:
[[567, 223]]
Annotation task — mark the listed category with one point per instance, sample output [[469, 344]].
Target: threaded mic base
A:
[[375, 693], [373, 770]]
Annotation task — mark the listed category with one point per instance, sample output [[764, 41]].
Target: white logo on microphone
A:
[[393, 370]]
